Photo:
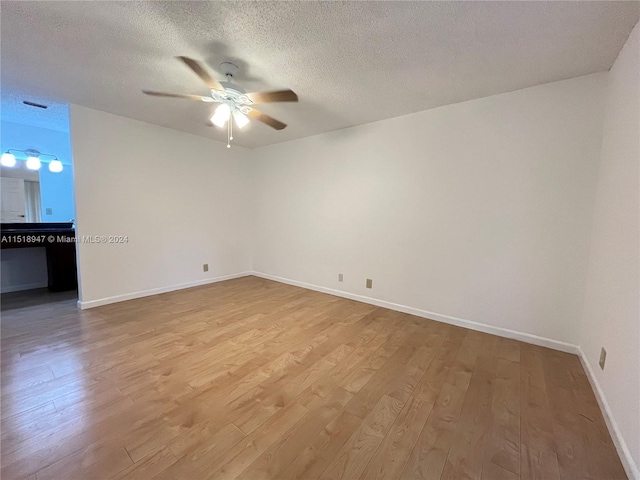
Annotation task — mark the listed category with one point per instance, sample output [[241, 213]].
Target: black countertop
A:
[[36, 228]]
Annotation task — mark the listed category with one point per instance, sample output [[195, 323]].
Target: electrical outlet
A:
[[340, 277], [48, 211], [603, 358], [369, 283], [205, 267]]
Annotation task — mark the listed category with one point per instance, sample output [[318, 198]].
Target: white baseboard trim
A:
[[156, 291], [481, 327], [621, 446], [27, 286]]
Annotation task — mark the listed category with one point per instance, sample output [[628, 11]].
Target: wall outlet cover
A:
[[369, 283], [205, 267], [603, 358], [48, 211], [340, 277]]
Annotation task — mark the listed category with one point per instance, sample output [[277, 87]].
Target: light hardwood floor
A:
[[254, 379]]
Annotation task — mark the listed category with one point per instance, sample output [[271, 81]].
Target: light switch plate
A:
[[603, 358], [340, 277], [205, 267], [369, 283]]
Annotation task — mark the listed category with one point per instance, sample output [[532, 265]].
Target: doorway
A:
[[36, 201]]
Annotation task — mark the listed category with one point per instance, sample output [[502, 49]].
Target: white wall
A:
[[479, 210], [181, 200], [612, 305]]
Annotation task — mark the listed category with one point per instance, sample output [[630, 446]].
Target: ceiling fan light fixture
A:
[[234, 100], [8, 160], [221, 115], [241, 119]]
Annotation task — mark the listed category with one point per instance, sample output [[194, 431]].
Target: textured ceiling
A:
[[54, 117], [349, 62]]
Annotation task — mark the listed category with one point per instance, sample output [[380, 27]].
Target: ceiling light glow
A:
[[8, 160], [241, 119], [222, 114], [33, 163], [55, 166]]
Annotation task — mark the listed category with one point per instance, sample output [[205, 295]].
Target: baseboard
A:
[[155, 291], [20, 288], [621, 446], [481, 327]]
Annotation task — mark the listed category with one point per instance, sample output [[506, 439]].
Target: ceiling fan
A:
[[234, 101]]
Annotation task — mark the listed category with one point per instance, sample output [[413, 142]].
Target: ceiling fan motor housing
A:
[[234, 96], [233, 88]]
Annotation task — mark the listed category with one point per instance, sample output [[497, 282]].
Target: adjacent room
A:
[[320, 240], [37, 201]]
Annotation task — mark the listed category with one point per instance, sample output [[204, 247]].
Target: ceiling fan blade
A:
[[178, 95], [266, 119], [272, 97], [202, 73]]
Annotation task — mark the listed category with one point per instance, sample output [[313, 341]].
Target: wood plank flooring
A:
[[253, 379]]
